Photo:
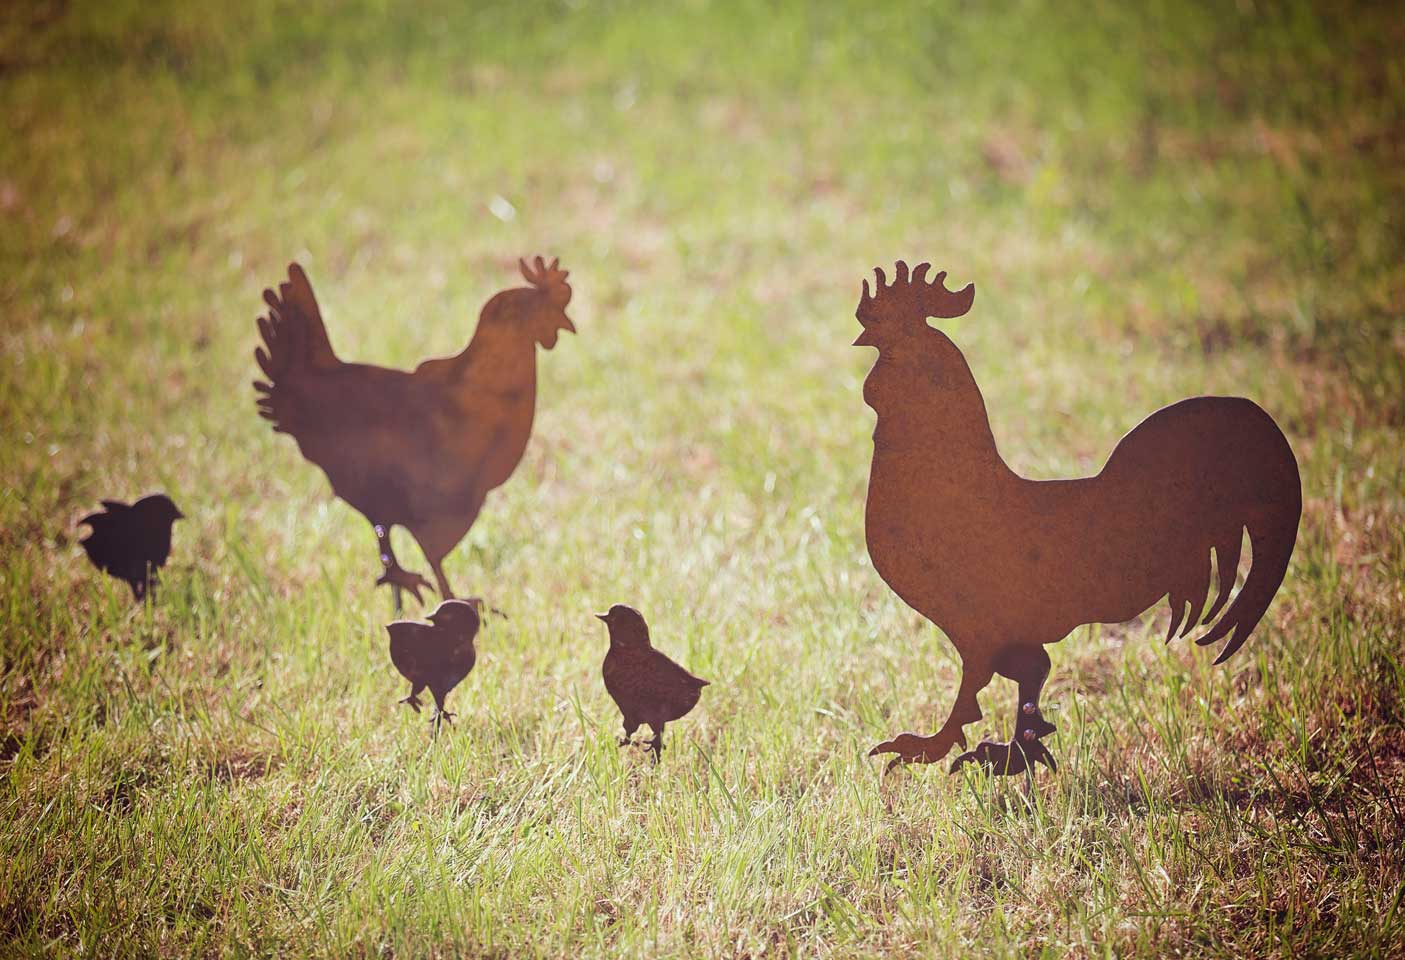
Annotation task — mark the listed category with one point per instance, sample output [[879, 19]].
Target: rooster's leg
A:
[[1029, 667], [912, 748], [1029, 722], [395, 575]]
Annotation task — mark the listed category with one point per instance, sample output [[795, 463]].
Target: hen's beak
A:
[[179, 515], [602, 617]]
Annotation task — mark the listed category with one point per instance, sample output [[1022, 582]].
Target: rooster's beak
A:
[[567, 325], [863, 339]]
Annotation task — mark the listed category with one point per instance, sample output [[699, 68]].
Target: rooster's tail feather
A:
[[1273, 547], [1273, 530]]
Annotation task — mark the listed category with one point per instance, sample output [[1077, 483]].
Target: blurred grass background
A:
[[1154, 201]]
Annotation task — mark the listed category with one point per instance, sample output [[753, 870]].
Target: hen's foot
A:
[[656, 745], [412, 701], [1007, 759], [626, 741], [397, 576], [911, 748]]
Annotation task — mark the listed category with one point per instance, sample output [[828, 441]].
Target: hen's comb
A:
[[548, 278]]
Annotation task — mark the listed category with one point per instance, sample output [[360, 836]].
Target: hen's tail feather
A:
[[294, 340]]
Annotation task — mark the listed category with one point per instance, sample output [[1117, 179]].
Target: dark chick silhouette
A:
[[647, 686], [436, 655], [1005, 565], [419, 449], [132, 542]]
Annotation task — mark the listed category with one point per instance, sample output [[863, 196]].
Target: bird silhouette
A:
[[1004, 564], [420, 450], [436, 655], [646, 685], [132, 542]]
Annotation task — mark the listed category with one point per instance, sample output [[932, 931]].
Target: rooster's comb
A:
[[548, 278], [910, 298]]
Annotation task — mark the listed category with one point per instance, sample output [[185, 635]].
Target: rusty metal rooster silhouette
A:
[[1004, 565], [422, 449]]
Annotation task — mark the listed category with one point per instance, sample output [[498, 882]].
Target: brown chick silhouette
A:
[[422, 449], [646, 685], [436, 655], [1004, 565], [132, 542]]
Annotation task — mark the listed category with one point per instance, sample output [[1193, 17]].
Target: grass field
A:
[[1153, 200]]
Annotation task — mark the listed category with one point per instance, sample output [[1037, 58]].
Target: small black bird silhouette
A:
[[132, 542], [647, 686], [437, 654]]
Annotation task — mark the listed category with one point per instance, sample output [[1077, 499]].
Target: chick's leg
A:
[[394, 574], [630, 725], [440, 714], [914, 748], [413, 700]]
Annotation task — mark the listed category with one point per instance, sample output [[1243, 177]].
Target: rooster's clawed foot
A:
[[912, 748], [397, 576], [1007, 759]]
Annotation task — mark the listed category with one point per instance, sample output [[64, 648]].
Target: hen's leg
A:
[[913, 748], [394, 574], [436, 567], [656, 744], [446, 592]]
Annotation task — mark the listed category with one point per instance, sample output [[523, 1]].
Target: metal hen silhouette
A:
[[1004, 565], [422, 449]]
